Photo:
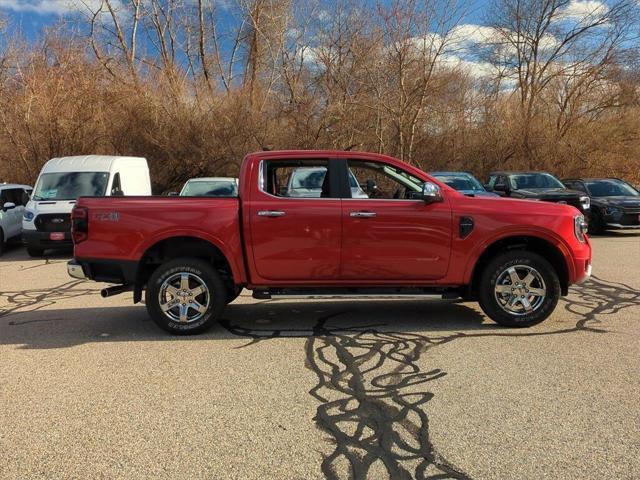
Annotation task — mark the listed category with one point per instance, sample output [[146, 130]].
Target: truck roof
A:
[[89, 163], [317, 153]]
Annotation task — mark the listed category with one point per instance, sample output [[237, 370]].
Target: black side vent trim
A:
[[466, 227]]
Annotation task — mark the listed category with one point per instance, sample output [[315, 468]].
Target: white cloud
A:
[[43, 7], [469, 34], [55, 7], [583, 10]]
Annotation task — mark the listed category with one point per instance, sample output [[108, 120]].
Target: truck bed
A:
[[124, 228]]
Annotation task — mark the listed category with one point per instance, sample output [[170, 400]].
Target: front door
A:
[[388, 232], [295, 221]]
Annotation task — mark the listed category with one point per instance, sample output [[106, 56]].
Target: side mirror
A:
[[370, 186], [172, 194], [8, 206], [431, 193]]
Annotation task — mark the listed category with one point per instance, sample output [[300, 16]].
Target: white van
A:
[[47, 218]]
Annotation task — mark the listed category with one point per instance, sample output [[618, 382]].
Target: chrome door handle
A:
[[363, 214], [271, 213]]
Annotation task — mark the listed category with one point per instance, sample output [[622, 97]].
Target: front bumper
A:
[[38, 239], [587, 274], [75, 270]]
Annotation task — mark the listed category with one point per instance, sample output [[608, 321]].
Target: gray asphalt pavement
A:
[[91, 388]]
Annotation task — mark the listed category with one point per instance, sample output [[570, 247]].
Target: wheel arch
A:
[[550, 251], [182, 246]]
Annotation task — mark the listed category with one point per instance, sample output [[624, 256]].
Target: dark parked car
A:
[[614, 203], [537, 186], [464, 182]]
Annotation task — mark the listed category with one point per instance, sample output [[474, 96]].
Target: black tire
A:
[[233, 293], [35, 252], [1, 242], [197, 270], [596, 224], [523, 260]]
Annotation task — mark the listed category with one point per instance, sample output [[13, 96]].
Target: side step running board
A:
[[375, 294]]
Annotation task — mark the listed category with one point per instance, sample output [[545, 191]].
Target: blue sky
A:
[[32, 16]]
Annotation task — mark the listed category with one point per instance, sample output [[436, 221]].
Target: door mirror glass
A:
[[8, 206], [431, 192]]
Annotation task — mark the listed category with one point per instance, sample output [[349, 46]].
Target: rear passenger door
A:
[[295, 221]]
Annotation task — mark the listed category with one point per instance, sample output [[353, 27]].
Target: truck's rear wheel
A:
[[519, 289], [185, 296]]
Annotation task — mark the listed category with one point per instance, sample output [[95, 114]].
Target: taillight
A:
[[79, 224]]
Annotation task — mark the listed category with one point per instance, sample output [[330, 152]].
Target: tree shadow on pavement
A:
[[371, 390]]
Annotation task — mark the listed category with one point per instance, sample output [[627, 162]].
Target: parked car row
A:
[[607, 203]]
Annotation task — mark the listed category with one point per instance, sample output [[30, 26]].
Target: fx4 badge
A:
[[107, 217]]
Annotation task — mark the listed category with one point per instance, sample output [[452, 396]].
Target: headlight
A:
[[611, 210], [580, 227], [585, 202], [28, 216]]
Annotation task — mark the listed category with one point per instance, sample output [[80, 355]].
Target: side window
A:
[[116, 188], [16, 196], [578, 186], [381, 181], [4, 196], [492, 181], [297, 179]]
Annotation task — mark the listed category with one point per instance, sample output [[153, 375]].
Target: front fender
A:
[[505, 233]]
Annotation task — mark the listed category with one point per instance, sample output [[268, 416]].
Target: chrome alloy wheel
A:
[[520, 290], [184, 297]]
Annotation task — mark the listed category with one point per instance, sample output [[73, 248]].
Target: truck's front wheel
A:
[[519, 289], [185, 296]]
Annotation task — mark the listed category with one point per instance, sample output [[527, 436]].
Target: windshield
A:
[[70, 185], [218, 188], [528, 181], [461, 182], [611, 188]]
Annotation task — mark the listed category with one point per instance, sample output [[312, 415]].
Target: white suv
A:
[[13, 199]]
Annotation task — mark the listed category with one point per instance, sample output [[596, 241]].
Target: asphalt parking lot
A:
[[90, 387]]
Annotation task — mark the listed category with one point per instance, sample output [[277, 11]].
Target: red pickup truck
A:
[[346, 224]]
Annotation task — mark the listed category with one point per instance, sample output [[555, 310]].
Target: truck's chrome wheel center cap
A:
[[184, 297], [520, 290]]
